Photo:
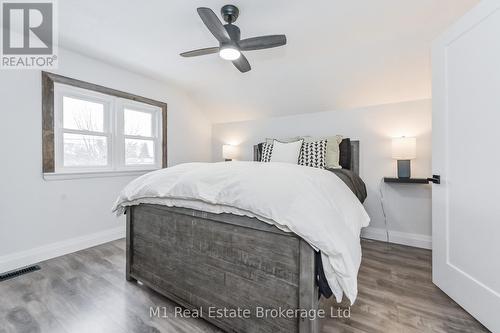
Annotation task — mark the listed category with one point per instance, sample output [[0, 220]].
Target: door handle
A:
[[436, 179]]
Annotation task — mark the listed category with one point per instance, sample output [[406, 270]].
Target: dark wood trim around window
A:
[[48, 80]]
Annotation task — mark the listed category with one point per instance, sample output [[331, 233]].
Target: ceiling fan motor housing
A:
[[230, 13]]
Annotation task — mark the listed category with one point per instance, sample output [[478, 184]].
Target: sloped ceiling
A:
[[340, 53]]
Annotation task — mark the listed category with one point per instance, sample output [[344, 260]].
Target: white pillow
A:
[[332, 158], [286, 152]]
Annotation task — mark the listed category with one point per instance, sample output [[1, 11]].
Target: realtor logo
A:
[[28, 35]]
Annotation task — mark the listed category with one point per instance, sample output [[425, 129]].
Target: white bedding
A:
[[313, 203]]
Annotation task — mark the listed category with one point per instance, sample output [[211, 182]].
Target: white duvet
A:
[[315, 204]]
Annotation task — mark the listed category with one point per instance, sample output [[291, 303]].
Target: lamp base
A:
[[404, 168]]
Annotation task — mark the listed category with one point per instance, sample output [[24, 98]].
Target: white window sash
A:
[[156, 138], [113, 130]]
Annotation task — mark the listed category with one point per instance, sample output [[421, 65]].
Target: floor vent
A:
[[19, 272]]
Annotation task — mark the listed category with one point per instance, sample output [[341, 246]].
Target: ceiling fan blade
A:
[[200, 52], [263, 42], [213, 24], [242, 64]]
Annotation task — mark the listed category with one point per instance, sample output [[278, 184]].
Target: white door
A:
[[466, 154]]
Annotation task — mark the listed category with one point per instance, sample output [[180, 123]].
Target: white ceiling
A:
[[340, 53]]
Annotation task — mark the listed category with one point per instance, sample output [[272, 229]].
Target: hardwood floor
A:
[[87, 292], [396, 294]]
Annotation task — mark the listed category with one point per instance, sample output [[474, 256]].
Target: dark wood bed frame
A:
[[209, 261]]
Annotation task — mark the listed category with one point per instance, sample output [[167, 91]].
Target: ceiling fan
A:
[[228, 35]]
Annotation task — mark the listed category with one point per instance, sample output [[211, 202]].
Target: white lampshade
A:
[[404, 148], [229, 152]]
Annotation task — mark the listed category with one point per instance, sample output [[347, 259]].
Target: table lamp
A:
[[229, 152], [404, 150]]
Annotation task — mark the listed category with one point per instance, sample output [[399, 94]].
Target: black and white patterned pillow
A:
[[313, 154], [267, 151]]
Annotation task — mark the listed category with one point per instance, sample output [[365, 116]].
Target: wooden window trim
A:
[[48, 81]]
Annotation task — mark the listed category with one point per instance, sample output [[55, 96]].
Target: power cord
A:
[[383, 209]]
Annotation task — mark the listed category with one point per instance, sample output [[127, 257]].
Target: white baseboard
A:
[[397, 237], [29, 257]]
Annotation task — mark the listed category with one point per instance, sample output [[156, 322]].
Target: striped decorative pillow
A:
[[313, 154]]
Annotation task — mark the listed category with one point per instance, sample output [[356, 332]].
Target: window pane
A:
[[138, 123], [83, 115], [85, 150], [139, 152]]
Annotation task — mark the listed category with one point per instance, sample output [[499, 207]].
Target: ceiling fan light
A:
[[229, 53]]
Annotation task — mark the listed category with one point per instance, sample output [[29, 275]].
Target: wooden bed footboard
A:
[[227, 262]]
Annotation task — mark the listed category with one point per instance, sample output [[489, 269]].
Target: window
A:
[[100, 131]]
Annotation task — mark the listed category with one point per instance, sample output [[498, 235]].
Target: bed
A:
[[220, 262]]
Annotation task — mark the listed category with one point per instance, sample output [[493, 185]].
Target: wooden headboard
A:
[[354, 155]]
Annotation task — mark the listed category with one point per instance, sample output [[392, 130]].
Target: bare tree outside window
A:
[[139, 145], [81, 149]]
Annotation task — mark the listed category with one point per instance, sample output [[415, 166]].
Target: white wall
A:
[[39, 218], [408, 207]]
